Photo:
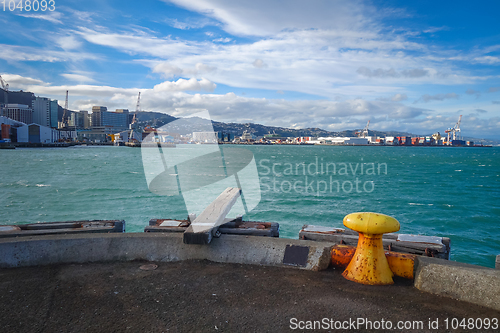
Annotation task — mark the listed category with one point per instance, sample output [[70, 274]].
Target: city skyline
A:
[[333, 65]]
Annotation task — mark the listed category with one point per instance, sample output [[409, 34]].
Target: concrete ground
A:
[[202, 296]]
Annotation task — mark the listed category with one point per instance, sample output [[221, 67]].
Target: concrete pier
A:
[[469, 283]]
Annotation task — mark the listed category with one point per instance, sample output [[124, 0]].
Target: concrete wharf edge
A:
[[162, 247], [470, 283]]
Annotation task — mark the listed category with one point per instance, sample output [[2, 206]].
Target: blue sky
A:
[[409, 66]]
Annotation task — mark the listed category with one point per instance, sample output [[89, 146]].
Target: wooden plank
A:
[[201, 229], [439, 250], [230, 226], [45, 228], [50, 225], [56, 231]]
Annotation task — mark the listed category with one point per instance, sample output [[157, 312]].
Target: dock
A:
[[213, 273], [204, 296]]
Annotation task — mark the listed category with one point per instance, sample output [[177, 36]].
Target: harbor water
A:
[[435, 191]]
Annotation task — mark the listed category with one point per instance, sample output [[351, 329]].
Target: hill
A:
[[157, 119]]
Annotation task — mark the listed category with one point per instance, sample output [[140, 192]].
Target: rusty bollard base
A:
[[369, 264]]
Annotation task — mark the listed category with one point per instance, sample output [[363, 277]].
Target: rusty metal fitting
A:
[[369, 264]]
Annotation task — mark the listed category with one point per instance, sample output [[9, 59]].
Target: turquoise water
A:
[[452, 192]]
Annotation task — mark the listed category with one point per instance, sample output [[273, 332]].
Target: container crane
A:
[[452, 131], [363, 133], [5, 87], [134, 119], [65, 113]]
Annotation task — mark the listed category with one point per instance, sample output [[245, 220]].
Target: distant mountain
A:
[[158, 119], [147, 116]]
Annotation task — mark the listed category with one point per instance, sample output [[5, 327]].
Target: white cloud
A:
[[18, 81], [432, 30], [489, 60], [190, 24], [399, 97], [438, 97], [222, 40], [265, 18], [69, 42], [383, 73], [185, 85], [328, 60], [259, 63], [169, 70], [54, 17], [78, 77], [27, 53], [131, 43]]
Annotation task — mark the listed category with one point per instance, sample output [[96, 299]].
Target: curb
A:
[[470, 283]]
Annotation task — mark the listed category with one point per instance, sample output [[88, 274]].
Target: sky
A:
[[412, 66]]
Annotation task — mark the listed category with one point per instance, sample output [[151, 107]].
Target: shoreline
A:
[[14, 145]]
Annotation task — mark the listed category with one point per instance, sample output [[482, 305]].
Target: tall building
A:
[[42, 111], [97, 115], [19, 112], [103, 118], [79, 119], [86, 119], [54, 110]]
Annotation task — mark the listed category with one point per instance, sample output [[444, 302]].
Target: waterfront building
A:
[[101, 117], [54, 112], [127, 114], [79, 119], [8, 128], [205, 137], [95, 134], [19, 112], [36, 133], [225, 137], [43, 111]]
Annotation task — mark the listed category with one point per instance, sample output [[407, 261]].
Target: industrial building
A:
[[205, 137], [36, 133]]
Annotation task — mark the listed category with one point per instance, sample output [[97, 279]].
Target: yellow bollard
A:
[[401, 264], [369, 264]]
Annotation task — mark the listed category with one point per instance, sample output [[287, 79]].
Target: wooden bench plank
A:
[[202, 228], [421, 245]]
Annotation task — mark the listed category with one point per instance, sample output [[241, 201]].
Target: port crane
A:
[[453, 131], [134, 119], [363, 133], [5, 87], [64, 119]]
